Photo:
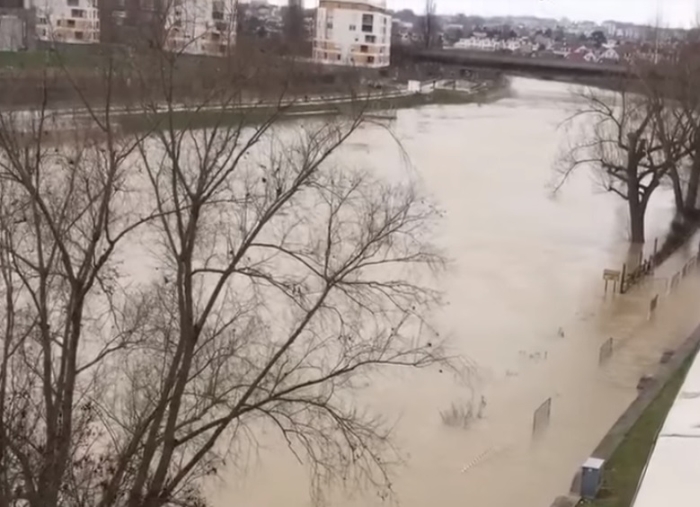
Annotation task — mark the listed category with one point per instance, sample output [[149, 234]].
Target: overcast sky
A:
[[673, 12]]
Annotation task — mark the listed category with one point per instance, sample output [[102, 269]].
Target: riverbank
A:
[[625, 467], [376, 105], [626, 445]]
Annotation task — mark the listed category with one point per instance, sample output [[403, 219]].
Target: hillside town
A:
[[578, 41], [345, 32]]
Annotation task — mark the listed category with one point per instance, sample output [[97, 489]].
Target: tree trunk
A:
[[691, 196], [635, 202], [677, 191], [637, 213]]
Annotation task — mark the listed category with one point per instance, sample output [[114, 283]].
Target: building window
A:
[[70, 23], [217, 10], [77, 13], [329, 25], [338, 57], [370, 59], [73, 3], [353, 28], [79, 35], [370, 39], [364, 49], [367, 22]]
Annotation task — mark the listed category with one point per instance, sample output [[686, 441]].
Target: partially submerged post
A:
[[611, 275]]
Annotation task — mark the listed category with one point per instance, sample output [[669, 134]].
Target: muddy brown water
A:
[[526, 266]]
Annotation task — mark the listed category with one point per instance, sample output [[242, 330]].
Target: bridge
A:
[[536, 67]]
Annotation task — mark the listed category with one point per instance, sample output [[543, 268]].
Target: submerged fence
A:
[[690, 266], [606, 351], [541, 418]]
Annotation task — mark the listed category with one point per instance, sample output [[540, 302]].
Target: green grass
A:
[[623, 470], [40, 58]]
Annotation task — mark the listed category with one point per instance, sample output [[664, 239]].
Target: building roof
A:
[[672, 474], [381, 4]]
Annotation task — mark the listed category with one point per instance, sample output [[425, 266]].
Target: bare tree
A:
[[173, 283], [294, 27], [430, 24], [679, 87], [672, 84], [618, 135]]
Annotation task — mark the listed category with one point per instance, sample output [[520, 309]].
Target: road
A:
[[535, 67]]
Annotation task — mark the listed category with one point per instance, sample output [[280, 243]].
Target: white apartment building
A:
[[67, 21], [353, 32], [201, 27]]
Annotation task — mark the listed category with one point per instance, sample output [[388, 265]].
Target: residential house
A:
[[561, 50], [627, 51], [478, 44], [543, 41], [581, 50], [526, 48], [609, 56], [582, 57]]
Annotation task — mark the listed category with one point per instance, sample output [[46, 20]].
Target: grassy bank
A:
[[188, 119], [625, 467]]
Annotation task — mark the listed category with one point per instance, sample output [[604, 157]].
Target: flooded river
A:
[[526, 306]]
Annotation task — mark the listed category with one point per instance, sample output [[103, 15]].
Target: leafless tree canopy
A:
[[171, 284], [645, 134], [619, 137]]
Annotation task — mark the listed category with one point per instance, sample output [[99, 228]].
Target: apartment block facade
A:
[[200, 27], [17, 26], [352, 33], [67, 21]]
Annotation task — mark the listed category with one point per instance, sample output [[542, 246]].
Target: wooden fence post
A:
[[622, 278]]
